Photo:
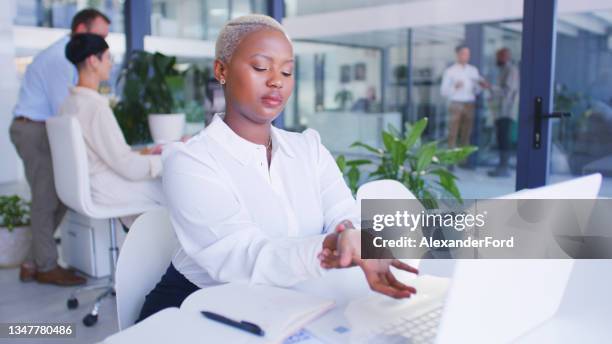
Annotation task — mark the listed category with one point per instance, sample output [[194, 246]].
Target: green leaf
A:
[[452, 191], [368, 147], [139, 66], [447, 182], [444, 172], [358, 162], [341, 162], [414, 132], [426, 153], [388, 140], [176, 83], [398, 154], [428, 200], [353, 174], [163, 65], [376, 175], [353, 178], [14, 212], [131, 89], [455, 155]]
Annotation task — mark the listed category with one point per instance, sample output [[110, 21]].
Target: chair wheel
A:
[[90, 320], [72, 303]]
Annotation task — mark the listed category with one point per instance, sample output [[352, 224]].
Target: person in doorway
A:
[[367, 103], [251, 202], [504, 101], [461, 83], [44, 88]]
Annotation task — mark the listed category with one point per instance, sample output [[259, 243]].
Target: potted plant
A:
[[421, 167], [343, 97], [15, 235], [152, 104]]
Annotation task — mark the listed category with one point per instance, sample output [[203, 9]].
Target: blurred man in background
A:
[[43, 89], [503, 104], [461, 83]]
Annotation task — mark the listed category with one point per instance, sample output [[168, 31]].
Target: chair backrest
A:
[[389, 189], [384, 189], [145, 256], [70, 169]]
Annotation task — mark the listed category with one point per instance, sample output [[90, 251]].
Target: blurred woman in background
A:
[[118, 175]]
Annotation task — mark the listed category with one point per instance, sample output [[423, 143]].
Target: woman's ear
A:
[[220, 71], [92, 61]]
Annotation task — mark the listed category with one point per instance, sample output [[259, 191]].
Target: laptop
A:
[[486, 301]]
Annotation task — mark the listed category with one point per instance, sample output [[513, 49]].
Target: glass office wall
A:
[[301, 7], [582, 144], [59, 13], [34, 18], [334, 79], [351, 86], [188, 29], [198, 19]]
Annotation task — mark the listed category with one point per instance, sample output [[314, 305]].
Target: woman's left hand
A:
[[381, 279], [343, 249]]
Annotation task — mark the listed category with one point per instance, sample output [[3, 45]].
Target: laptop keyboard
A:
[[418, 330]]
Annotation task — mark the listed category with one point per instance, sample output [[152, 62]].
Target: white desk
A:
[[167, 326], [584, 315]]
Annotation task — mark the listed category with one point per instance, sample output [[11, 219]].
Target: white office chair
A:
[[145, 256], [71, 175], [387, 189]]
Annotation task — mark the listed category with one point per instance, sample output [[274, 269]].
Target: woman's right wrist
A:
[[330, 241]]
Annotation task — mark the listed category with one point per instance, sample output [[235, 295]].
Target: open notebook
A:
[[279, 312]]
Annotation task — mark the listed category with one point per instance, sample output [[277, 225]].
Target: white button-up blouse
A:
[[238, 220], [468, 75]]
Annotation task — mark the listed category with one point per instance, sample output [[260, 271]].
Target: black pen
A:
[[241, 325]]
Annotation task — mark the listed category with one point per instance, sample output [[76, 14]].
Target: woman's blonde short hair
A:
[[236, 29]]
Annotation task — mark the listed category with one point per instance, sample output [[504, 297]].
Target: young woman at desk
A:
[[118, 175], [250, 202]]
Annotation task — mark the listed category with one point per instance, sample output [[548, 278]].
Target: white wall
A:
[[350, 56], [11, 169]]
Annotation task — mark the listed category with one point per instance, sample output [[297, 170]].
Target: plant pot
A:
[[193, 128], [166, 128], [14, 246]]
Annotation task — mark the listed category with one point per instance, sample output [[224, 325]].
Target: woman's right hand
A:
[[345, 248], [155, 150]]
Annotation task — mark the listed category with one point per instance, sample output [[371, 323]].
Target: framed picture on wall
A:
[[345, 74], [360, 71]]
